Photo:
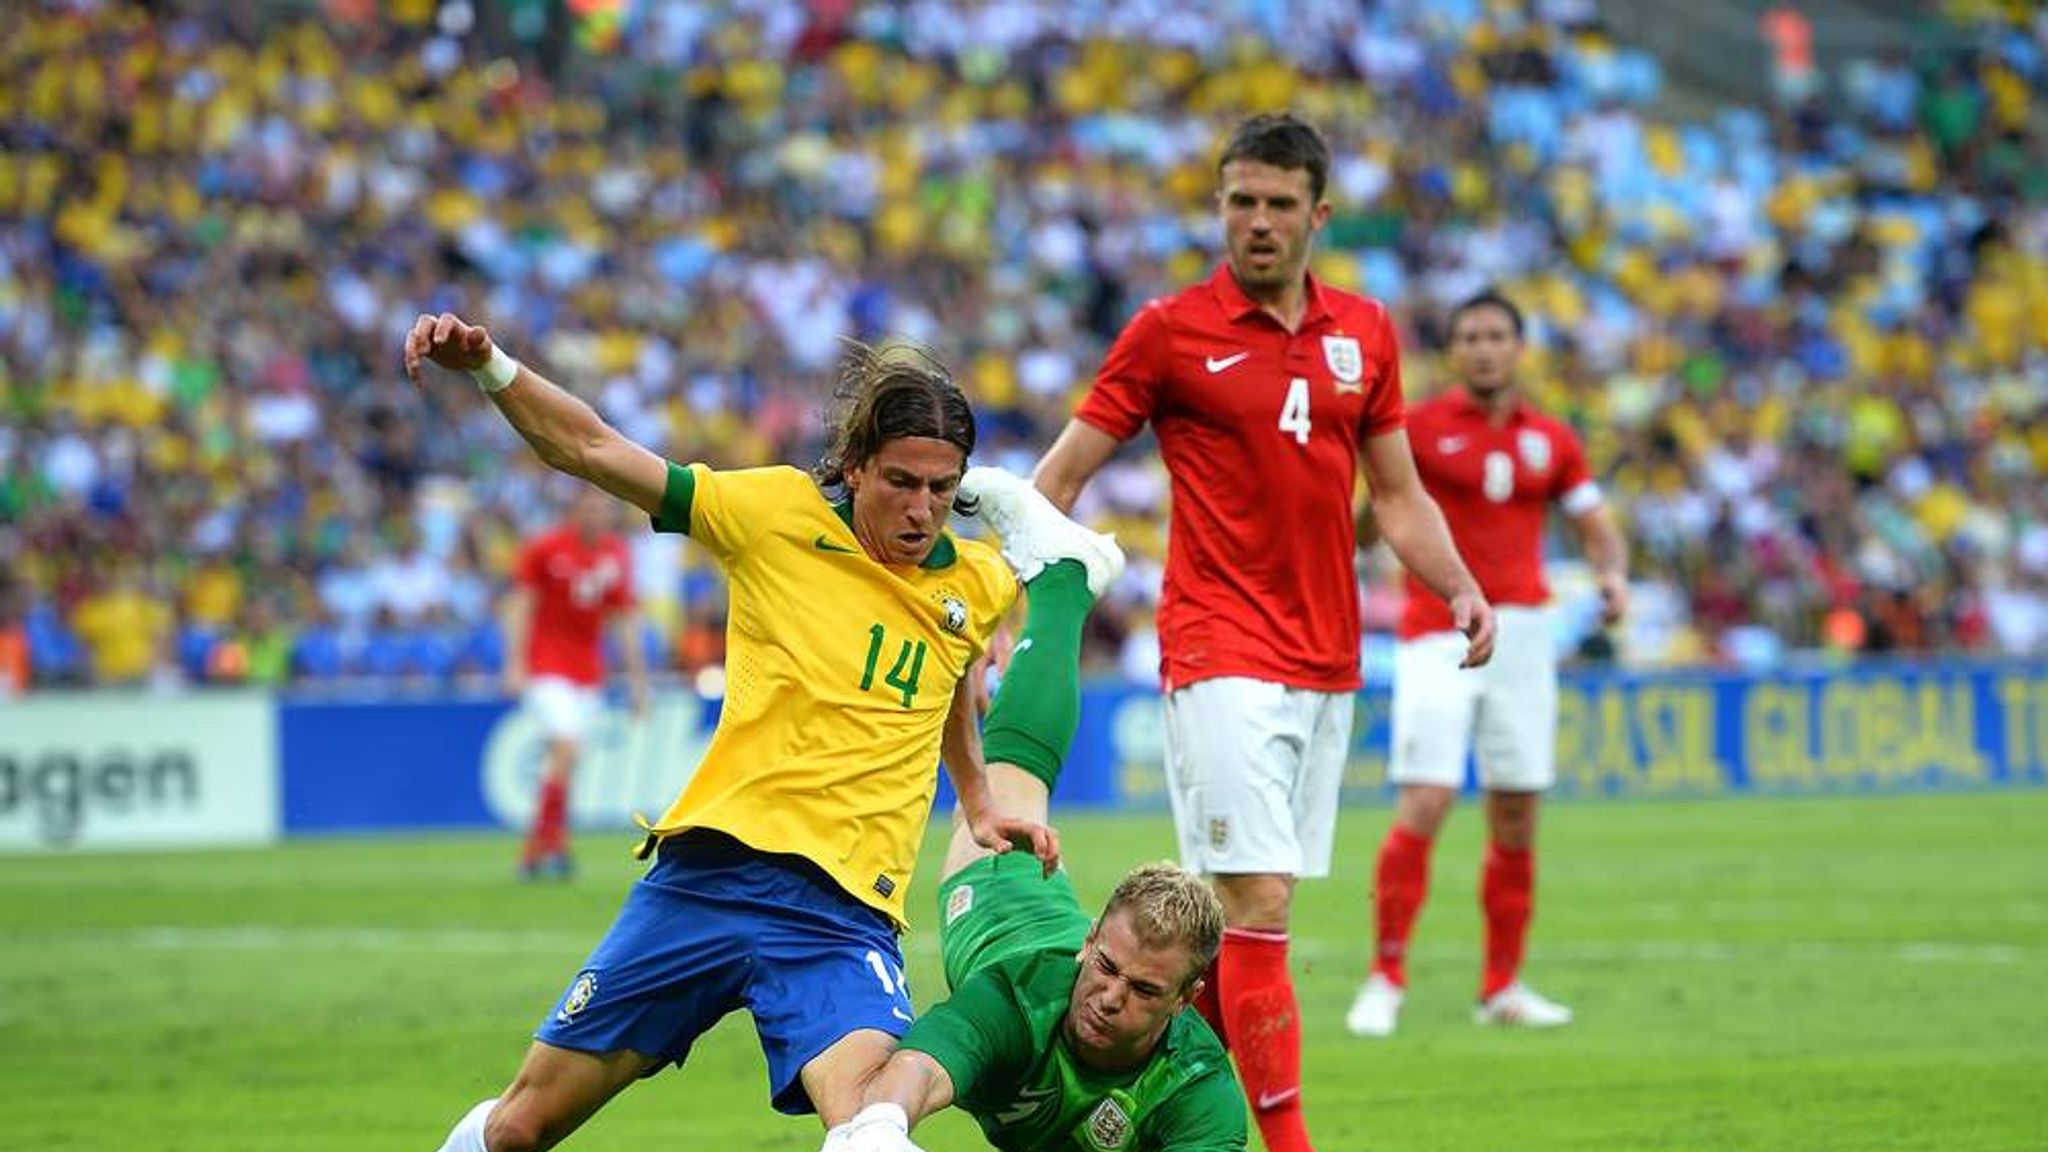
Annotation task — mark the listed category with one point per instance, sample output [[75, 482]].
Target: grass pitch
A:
[[1750, 974]]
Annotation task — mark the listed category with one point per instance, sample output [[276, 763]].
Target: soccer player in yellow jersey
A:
[[780, 872]]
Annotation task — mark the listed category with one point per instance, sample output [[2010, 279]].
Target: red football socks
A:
[[1402, 883], [1264, 1025], [549, 834], [1507, 891]]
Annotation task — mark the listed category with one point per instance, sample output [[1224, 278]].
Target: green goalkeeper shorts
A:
[[1004, 906]]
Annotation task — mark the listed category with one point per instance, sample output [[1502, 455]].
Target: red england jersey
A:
[[575, 587], [1495, 486], [1260, 429]]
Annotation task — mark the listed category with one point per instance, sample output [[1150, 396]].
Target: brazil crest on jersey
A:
[[1001, 1040], [839, 674]]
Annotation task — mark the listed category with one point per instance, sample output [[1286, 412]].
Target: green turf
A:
[[1843, 973]]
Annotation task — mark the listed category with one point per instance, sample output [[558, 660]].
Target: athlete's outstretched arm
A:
[[566, 433], [991, 826], [1414, 527], [910, 1087], [913, 1082], [633, 651], [1074, 459], [516, 618]]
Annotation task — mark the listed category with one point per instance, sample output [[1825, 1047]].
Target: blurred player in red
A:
[[1268, 391], [570, 582], [1495, 466]]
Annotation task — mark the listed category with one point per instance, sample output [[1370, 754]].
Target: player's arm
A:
[[515, 617], [913, 1082], [1074, 459], [1414, 527], [976, 1036], [1607, 551], [910, 1087], [960, 747], [1124, 397], [567, 434], [626, 626]]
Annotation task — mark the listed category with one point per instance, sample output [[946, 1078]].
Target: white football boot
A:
[[1035, 533], [1519, 1006], [1376, 1009]]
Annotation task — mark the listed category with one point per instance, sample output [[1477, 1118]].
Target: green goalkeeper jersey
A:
[[1000, 1038]]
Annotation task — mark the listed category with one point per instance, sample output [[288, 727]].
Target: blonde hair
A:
[[1170, 905]]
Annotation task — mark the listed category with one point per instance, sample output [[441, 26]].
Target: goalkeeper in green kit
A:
[[1062, 1034]]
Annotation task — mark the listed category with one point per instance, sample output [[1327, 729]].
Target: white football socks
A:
[[468, 1135]]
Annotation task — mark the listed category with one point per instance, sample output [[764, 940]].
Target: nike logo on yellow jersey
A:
[[824, 544]]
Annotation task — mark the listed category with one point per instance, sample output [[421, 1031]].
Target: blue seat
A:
[[383, 656], [432, 653], [484, 650], [317, 654]]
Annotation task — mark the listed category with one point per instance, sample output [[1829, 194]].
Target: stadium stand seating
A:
[[1803, 337]]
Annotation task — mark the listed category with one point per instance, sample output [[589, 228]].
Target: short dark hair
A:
[[1285, 141], [1490, 298], [890, 393]]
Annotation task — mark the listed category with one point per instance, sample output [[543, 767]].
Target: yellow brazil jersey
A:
[[840, 671]]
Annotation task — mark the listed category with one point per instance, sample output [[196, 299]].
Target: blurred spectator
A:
[[127, 629], [15, 669]]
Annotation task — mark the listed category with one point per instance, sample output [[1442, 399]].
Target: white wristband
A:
[[497, 373]]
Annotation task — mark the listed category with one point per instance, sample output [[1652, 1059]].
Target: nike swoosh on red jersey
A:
[[1217, 365], [1269, 1099]]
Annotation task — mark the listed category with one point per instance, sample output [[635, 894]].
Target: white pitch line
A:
[[365, 938], [1722, 952], [273, 938], [1744, 911]]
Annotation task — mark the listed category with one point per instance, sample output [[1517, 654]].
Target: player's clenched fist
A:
[[448, 341]]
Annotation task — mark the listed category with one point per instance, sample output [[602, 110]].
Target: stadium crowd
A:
[[1805, 344]]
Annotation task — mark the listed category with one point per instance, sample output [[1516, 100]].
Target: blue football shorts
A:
[[716, 926]]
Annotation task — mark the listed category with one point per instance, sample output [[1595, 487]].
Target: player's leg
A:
[[564, 712], [669, 968], [993, 905], [1432, 722], [826, 989], [546, 838], [555, 1091], [834, 1079], [1235, 756], [1515, 740], [1037, 707]]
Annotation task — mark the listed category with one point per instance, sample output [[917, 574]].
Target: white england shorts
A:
[[1504, 713], [1254, 769], [563, 708]]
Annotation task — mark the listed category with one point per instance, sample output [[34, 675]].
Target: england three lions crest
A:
[[1108, 1127], [1346, 361]]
